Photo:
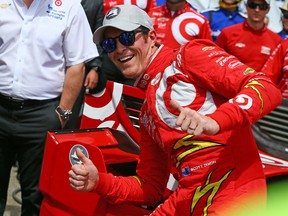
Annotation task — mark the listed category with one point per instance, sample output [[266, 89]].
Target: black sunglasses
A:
[[125, 38], [254, 5]]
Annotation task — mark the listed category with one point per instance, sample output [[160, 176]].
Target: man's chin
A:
[[130, 74]]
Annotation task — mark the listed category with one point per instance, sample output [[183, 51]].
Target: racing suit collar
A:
[[247, 26], [175, 13], [144, 79]]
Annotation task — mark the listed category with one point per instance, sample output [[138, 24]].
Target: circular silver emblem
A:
[[72, 155]]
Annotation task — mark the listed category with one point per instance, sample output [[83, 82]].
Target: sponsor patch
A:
[[248, 71], [265, 50], [234, 64], [54, 13], [240, 45], [207, 48]]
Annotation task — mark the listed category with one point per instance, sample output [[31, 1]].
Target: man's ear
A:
[[152, 35]]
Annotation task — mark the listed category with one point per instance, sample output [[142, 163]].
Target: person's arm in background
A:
[[95, 79], [274, 64], [77, 55], [276, 67], [71, 88]]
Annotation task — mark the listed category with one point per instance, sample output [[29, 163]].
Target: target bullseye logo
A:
[[58, 2]]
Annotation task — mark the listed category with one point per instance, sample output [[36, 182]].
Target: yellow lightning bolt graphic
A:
[[253, 84], [201, 191], [196, 145]]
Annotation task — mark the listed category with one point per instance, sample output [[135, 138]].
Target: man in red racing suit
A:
[[177, 23], [217, 173]]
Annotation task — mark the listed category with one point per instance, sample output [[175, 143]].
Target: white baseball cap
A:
[[284, 7], [125, 18], [267, 1]]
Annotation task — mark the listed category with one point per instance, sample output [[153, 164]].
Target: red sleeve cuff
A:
[[223, 119], [104, 183]]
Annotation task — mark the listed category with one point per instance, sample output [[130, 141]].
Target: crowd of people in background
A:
[[249, 29], [252, 41], [243, 28]]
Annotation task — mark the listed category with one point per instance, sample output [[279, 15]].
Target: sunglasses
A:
[[125, 38], [254, 5]]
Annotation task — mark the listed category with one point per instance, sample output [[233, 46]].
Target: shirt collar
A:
[[144, 79], [247, 26]]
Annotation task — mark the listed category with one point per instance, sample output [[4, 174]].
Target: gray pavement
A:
[[13, 208]]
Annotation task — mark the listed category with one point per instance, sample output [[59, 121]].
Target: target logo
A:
[[186, 26], [58, 2], [244, 101]]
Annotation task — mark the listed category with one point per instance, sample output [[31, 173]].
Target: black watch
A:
[[65, 114]]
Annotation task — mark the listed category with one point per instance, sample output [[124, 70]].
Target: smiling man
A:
[[195, 123]]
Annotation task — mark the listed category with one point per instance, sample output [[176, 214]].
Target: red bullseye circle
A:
[[58, 2]]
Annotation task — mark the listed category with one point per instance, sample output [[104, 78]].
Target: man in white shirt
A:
[[43, 47]]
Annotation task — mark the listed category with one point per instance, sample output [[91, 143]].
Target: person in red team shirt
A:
[[195, 120], [176, 23], [251, 41], [276, 67]]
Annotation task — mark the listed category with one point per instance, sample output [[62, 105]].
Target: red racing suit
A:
[[252, 47], [176, 29], [276, 67], [215, 173]]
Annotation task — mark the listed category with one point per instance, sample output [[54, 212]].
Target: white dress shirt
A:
[[38, 43]]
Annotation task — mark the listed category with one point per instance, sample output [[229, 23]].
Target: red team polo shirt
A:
[[252, 47]]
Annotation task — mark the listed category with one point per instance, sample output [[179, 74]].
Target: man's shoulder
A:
[[204, 43], [284, 43], [269, 31], [234, 27]]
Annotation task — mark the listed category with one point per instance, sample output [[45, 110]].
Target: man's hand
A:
[[83, 177], [193, 122], [91, 80]]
